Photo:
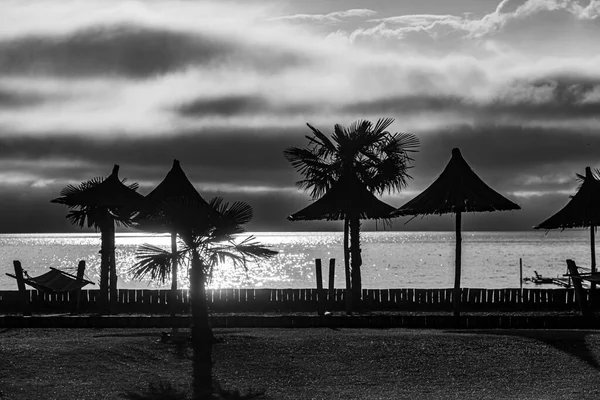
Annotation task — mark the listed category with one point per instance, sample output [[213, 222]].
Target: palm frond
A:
[[595, 175], [70, 191], [152, 263], [238, 212], [250, 248], [321, 139], [79, 218], [382, 124], [94, 216], [133, 186], [407, 142], [240, 253]]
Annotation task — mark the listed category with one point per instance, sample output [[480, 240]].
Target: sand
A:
[[309, 363]]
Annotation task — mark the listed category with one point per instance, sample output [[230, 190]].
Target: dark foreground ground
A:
[[316, 363]]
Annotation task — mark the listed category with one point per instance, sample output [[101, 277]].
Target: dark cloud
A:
[[254, 155], [14, 99], [232, 105], [224, 106], [131, 51], [239, 156], [500, 155], [563, 97], [28, 210]]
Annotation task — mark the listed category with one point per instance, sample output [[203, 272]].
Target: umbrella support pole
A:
[[456, 294]]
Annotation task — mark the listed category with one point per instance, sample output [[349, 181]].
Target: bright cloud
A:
[[331, 18], [136, 67]]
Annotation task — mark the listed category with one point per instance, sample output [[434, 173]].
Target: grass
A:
[[308, 363]]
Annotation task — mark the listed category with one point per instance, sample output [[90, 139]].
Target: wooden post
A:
[[25, 308], [331, 283], [319, 286], [579, 293], [77, 293], [520, 280], [456, 293]]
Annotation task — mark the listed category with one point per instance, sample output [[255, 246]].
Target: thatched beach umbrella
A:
[[345, 197], [458, 189], [582, 211], [102, 202], [175, 185]]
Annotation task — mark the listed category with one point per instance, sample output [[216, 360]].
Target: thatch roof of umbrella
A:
[[582, 211], [175, 185], [110, 192], [457, 189], [347, 194], [175, 190]]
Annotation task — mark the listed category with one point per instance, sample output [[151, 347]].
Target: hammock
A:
[[54, 280]]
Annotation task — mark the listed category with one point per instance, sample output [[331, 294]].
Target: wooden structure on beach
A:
[[582, 211], [155, 301], [53, 281], [543, 280], [457, 190]]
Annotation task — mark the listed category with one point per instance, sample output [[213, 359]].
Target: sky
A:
[[226, 86]]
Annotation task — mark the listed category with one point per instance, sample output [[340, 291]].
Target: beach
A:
[[308, 363]]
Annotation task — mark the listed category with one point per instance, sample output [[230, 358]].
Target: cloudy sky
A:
[[226, 86]]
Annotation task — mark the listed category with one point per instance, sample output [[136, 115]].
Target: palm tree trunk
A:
[[202, 338], [114, 296], [173, 292], [356, 259], [102, 302], [348, 293], [593, 293]]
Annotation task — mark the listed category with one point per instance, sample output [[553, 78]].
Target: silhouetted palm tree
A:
[[100, 204], [208, 233], [368, 152]]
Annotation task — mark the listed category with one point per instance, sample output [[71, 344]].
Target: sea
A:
[[390, 259]]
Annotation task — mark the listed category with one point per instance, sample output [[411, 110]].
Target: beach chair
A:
[[577, 278], [53, 281]]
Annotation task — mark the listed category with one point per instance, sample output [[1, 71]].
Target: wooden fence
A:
[[296, 300]]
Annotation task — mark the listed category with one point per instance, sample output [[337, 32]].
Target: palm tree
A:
[[209, 238], [102, 203], [367, 152]]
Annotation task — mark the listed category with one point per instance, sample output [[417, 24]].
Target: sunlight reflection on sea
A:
[[390, 259]]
